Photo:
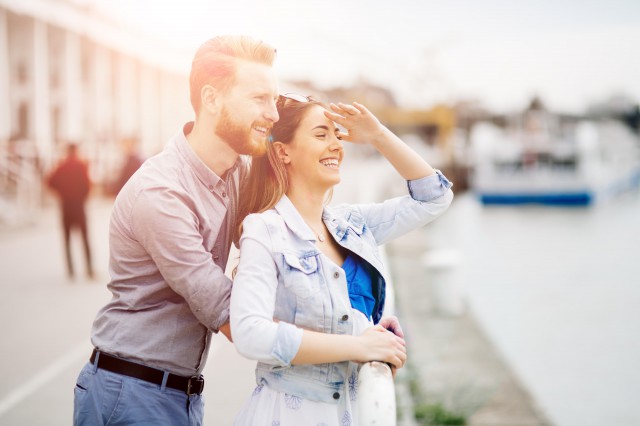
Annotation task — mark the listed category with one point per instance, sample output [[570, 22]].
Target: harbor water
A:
[[557, 290]]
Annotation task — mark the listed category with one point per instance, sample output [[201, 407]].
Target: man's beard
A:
[[238, 137]]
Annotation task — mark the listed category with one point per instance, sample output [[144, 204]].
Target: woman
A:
[[310, 284]]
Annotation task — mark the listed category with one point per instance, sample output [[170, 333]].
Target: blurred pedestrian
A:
[[131, 163], [169, 240], [70, 181]]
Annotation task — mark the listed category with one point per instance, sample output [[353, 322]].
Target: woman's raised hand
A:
[[379, 344], [360, 124]]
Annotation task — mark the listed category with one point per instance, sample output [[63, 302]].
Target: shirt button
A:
[[210, 187], [336, 275], [345, 317], [224, 194], [336, 395]]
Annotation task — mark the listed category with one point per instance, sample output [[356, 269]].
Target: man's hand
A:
[[392, 324], [226, 330]]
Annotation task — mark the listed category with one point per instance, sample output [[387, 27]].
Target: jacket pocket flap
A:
[[306, 264]]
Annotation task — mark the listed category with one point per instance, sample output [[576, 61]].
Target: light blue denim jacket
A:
[[284, 284]]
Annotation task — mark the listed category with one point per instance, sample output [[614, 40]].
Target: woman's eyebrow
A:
[[322, 126]]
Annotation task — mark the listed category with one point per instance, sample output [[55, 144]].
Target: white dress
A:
[[268, 407]]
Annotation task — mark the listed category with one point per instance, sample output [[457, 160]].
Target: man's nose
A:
[[271, 113]]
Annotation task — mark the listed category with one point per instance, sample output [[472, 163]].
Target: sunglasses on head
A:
[[282, 99]]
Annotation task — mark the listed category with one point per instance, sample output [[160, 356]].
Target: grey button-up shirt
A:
[[169, 240]]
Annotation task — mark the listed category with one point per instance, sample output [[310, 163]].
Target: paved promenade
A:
[[45, 322]]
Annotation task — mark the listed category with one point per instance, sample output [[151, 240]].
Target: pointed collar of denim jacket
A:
[[294, 221], [338, 224]]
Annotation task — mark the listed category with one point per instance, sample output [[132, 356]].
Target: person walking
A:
[[70, 181], [169, 239]]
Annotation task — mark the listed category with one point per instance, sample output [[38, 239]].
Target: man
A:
[[70, 181], [170, 235]]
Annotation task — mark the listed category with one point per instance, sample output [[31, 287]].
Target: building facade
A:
[[70, 73]]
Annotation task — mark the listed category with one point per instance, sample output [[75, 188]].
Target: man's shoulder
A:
[[163, 169]]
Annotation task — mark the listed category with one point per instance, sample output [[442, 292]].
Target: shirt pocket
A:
[[301, 275]]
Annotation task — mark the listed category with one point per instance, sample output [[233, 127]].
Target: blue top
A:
[[359, 285]]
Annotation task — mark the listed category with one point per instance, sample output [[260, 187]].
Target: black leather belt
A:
[[189, 385]]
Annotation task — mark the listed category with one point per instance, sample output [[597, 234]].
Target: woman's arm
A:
[[375, 344], [363, 127], [257, 336], [430, 193]]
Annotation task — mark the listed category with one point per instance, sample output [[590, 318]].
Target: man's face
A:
[[248, 110]]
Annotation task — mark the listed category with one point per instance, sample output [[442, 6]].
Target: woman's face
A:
[[315, 152]]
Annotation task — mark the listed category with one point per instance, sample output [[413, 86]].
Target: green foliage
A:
[[436, 415]]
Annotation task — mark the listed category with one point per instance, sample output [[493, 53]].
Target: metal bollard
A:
[[376, 394], [443, 272]]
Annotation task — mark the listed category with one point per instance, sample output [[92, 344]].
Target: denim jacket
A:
[[284, 284]]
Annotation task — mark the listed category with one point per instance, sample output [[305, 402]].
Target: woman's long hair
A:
[[267, 180]]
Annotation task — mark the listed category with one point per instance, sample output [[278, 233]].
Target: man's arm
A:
[[165, 225]]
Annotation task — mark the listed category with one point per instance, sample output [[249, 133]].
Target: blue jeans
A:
[[105, 398]]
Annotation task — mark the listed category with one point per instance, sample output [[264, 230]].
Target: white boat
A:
[[543, 160]]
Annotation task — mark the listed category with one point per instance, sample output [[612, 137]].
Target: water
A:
[[558, 291]]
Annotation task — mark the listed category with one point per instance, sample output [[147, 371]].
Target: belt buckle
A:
[[195, 385]]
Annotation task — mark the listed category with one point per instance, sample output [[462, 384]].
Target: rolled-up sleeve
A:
[[167, 228], [429, 187], [253, 297], [428, 198]]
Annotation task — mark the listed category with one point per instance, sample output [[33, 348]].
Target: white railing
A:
[[377, 395], [376, 390]]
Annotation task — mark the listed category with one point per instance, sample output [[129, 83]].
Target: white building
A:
[[69, 72]]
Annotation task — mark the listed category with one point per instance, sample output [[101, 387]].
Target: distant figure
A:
[[70, 180], [131, 163]]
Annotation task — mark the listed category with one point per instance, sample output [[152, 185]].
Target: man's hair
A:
[[215, 63]]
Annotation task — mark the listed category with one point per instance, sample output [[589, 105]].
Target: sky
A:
[[571, 53]]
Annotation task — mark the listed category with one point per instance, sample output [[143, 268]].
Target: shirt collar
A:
[[204, 173]]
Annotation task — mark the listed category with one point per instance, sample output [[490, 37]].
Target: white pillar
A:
[[127, 94], [101, 109], [5, 97], [149, 110], [72, 127], [102, 96], [41, 90]]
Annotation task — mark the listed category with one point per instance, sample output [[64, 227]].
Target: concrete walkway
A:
[[452, 362], [45, 322]]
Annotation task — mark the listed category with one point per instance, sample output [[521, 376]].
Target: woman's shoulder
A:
[[266, 223], [266, 217]]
